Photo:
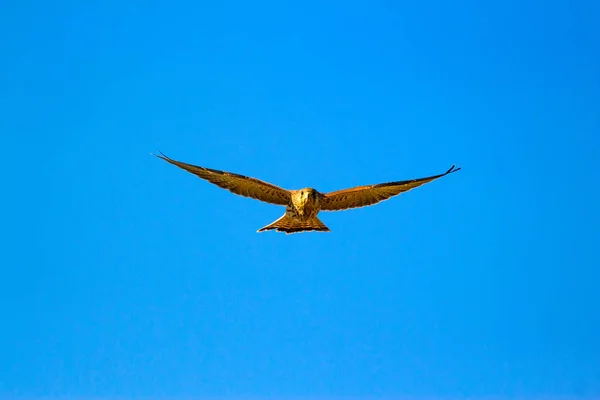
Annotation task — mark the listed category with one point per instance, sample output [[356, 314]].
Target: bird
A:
[[303, 205]]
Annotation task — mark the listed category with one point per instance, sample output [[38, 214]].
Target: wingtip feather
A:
[[160, 155], [453, 169]]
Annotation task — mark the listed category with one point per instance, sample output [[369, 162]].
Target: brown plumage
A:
[[362, 196], [302, 206]]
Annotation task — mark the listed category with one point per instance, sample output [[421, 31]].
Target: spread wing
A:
[[238, 184], [362, 196]]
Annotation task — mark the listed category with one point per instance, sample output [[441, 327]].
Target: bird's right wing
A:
[[362, 196], [235, 183]]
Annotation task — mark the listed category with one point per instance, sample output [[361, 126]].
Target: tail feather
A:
[[289, 225]]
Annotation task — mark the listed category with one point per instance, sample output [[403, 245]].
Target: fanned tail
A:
[[289, 225]]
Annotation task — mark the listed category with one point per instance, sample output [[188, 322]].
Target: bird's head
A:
[[308, 195]]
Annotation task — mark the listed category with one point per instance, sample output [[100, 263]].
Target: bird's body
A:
[[305, 204], [301, 214], [302, 206]]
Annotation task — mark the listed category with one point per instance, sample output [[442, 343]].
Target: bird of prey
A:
[[302, 206]]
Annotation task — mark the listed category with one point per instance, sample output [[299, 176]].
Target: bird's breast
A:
[[307, 208]]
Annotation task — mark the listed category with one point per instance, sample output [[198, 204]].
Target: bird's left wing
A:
[[362, 196], [235, 183]]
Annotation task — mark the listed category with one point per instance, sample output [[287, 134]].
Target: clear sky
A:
[[123, 275]]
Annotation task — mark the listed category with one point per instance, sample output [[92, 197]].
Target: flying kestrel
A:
[[302, 206]]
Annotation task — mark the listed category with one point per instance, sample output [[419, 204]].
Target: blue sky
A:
[[125, 276]]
